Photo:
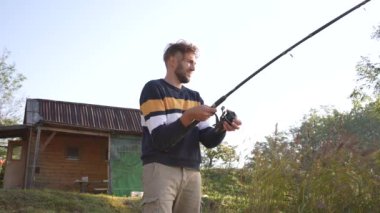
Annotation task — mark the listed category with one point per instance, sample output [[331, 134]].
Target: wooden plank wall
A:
[[58, 172]]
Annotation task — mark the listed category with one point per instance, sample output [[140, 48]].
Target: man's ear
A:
[[172, 61]]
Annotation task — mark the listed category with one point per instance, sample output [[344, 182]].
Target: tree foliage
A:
[[368, 72], [10, 83], [224, 153]]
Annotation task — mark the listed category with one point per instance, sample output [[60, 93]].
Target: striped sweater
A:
[[161, 106]]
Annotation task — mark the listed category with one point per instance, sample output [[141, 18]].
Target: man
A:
[[170, 146]]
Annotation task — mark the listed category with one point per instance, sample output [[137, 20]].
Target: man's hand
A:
[[198, 113], [233, 126]]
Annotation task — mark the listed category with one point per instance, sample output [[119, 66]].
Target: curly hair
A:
[[180, 46]]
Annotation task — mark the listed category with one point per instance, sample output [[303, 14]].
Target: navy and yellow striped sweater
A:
[[162, 105]]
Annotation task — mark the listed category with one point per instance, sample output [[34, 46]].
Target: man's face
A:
[[185, 67]]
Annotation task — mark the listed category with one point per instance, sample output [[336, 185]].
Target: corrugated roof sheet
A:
[[88, 115]]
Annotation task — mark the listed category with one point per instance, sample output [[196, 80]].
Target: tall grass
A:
[[338, 180]]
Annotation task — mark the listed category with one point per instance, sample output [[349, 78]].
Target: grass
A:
[[51, 201]]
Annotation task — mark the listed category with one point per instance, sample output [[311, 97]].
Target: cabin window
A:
[[16, 152], [72, 153]]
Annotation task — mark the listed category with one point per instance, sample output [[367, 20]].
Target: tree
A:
[[368, 73], [225, 153], [272, 149], [10, 83], [358, 129]]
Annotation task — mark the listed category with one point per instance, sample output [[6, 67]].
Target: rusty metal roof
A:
[[82, 115]]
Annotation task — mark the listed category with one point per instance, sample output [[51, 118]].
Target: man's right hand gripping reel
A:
[[227, 115]]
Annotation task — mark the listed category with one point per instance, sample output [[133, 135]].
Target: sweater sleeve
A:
[[166, 136], [210, 138]]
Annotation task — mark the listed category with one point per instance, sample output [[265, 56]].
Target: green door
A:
[[126, 166]]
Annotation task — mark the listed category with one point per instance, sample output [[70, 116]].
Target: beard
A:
[[180, 73]]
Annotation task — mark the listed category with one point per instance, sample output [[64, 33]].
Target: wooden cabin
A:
[[76, 147]]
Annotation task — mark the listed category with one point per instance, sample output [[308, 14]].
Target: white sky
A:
[[103, 52]]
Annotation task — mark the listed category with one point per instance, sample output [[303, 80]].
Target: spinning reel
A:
[[227, 115]]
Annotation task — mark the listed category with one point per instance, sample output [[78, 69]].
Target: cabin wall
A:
[[54, 169]]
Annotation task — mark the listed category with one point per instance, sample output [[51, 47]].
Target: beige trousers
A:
[[170, 189]]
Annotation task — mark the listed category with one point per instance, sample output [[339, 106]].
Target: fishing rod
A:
[[230, 115]]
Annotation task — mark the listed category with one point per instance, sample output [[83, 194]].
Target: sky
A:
[[104, 51]]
